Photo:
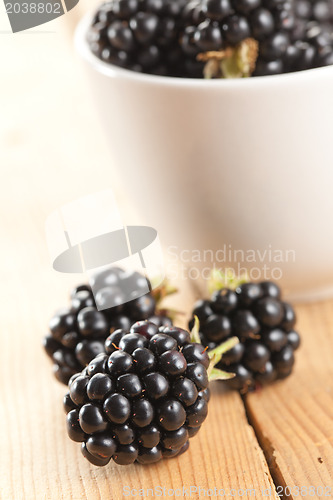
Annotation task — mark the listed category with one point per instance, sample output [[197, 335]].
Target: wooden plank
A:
[[43, 150], [294, 418], [41, 462], [51, 158]]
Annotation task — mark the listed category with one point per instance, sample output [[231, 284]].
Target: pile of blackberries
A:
[[139, 35], [143, 391], [319, 11], [264, 324], [222, 24], [169, 37], [77, 333], [141, 400]]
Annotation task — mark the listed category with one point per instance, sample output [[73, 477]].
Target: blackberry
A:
[[77, 334], [312, 35], [320, 11], [264, 324], [142, 404], [213, 38], [236, 38], [138, 34], [316, 50]]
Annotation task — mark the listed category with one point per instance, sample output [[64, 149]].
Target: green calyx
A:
[[159, 293], [233, 62], [163, 290], [215, 355], [195, 337], [216, 374], [219, 279]]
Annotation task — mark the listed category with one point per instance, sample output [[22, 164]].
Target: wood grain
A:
[[294, 418], [41, 462], [49, 157], [53, 151]]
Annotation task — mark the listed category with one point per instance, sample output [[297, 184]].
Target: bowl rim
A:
[[113, 71]]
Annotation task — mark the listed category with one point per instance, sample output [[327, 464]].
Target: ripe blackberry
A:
[[239, 37], [314, 50], [141, 35], [77, 334], [318, 11], [264, 325], [312, 36], [213, 38], [289, 36], [141, 401]]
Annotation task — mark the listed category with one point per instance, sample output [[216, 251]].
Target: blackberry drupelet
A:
[[141, 401], [317, 11], [141, 35], [264, 325], [312, 36], [77, 334]]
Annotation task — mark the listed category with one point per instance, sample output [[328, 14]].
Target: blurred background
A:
[[52, 147], [52, 151]]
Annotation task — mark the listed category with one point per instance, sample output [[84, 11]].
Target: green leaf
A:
[[221, 349], [231, 62], [171, 313], [215, 355], [230, 67], [216, 374], [195, 337], [212, 69], [162, 291], [213, 361], [241, 63], [219, 279]]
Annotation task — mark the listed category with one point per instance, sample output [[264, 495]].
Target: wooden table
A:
[[53, 151]]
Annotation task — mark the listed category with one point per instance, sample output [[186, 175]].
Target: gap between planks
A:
[[199, 290], [293, 419]]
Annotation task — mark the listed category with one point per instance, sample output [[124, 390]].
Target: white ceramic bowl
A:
[[243, 165]]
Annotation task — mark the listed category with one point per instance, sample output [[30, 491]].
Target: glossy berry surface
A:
[[77, 334], [165, 37], [143, 400], [141, 37], [264, 325]]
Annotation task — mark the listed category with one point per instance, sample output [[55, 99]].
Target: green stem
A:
[[223, 348], [215, 356], [217, 374], [162, 291], [195, 337]]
